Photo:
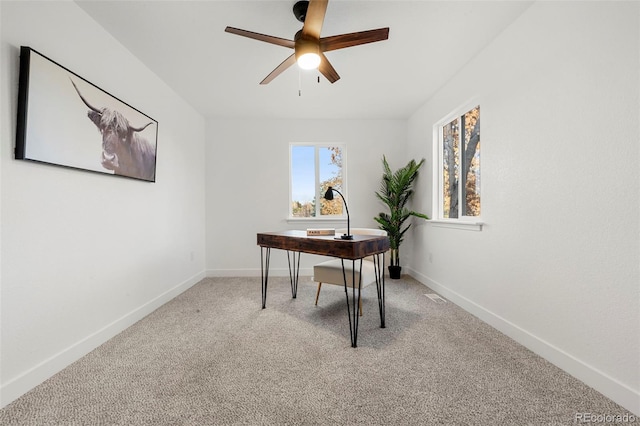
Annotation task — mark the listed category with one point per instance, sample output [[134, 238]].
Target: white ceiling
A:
[[218, 73]]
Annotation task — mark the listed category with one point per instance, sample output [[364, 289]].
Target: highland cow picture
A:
[[67, 121]]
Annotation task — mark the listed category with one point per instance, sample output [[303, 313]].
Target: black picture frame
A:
[[65, 120]]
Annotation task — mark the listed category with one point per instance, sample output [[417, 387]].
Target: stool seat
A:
[[330, 272]]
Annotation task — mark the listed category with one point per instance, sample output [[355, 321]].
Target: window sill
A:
[[316, 220], [457, 224]]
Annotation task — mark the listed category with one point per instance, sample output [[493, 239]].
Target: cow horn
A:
[[84, 100], [139, 129]]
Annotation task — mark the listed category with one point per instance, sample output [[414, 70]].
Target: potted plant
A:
[[396, 189]]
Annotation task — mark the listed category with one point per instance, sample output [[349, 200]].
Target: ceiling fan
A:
[[308, 46]]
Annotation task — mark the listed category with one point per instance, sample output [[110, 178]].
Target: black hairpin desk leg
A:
[[265, 255], [294, 274], [379, 272], [352, 309]]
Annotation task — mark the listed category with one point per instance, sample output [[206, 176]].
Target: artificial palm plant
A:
[[396, 189]]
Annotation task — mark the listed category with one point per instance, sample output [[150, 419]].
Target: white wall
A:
[[248, 182], [557, 264], [85, 255]]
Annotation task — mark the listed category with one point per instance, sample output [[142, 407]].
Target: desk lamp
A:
[[329, 196]]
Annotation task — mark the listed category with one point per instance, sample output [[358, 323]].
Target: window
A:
[[313, 169], [459, 165]]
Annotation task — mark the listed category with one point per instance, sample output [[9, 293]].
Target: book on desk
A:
[[314, 232]]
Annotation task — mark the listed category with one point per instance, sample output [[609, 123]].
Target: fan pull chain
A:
[[300, 82]]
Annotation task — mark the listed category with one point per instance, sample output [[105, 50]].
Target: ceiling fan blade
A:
[[279, 69], [327, 69], [314, 19], [353, 39], [262, 37]]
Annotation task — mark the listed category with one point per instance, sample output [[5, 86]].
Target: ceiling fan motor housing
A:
[[305, 45], [300, 10]]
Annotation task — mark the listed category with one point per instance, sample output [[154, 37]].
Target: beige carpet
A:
[[213, 357]]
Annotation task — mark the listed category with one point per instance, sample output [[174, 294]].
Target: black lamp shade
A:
[[329, 194]]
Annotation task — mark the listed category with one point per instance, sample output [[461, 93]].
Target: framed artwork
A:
[[67, 121]]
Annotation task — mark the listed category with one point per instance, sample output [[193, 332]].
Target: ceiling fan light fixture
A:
[[309, 61], [307, 52]]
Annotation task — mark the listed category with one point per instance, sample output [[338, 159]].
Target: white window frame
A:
[[473, 223], [318, 218]]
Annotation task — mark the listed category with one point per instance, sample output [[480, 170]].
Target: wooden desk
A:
[[297, 242]]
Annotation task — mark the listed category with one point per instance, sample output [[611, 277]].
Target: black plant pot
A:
[[395, 271]]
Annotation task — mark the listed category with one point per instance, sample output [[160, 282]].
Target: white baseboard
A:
[[608, 386], [31, 378]]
